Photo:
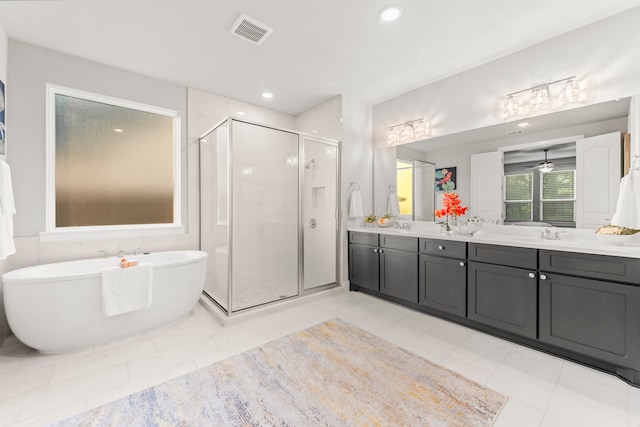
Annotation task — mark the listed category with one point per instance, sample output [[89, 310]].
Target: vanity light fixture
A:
[[511, 105], [569, 91], [413, 130], [118, 130], [539, 96], [390, 13]]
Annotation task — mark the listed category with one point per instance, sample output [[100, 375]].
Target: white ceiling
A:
[[319, 48]]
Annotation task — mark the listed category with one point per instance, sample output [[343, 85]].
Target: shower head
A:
[[310, 163]]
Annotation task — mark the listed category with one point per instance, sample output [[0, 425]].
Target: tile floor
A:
[[543, 390]]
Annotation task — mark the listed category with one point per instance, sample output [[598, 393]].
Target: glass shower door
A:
[[320, 212], [214, 212], [264, 214]]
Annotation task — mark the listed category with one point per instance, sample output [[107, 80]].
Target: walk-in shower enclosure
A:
[[269, 213]]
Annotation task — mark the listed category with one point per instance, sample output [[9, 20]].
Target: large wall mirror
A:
[[526, 195]]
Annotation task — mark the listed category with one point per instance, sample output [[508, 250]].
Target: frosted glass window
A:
[[114, 164]]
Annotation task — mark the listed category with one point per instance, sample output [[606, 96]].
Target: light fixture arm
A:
[[406, 123], [541, 86]]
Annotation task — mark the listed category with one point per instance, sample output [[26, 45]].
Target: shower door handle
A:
[[313, 223]]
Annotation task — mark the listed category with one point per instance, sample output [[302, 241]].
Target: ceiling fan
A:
[[546, 166]]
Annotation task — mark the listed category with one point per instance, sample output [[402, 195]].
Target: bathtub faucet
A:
[[105, 254]]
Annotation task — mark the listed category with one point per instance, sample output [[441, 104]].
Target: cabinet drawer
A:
[[443, 248], [370, 239], [401, 243], [510, 256], [605, 267]]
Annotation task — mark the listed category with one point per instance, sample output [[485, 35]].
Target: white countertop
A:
[[571, 240]]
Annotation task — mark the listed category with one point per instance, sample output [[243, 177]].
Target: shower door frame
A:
[[301, 137]]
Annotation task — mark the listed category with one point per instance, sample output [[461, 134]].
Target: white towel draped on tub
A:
[[126, 289], [7, 209]]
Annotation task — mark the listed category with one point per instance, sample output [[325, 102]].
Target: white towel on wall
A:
[[393, 205], [126, 289], [7, 209], [355, 206]]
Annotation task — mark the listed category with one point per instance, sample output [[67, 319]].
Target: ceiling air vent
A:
[[514, 132], [250, 29]]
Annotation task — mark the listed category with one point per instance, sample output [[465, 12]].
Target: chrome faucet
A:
[[105, 253], [138, 250], [403, 225], [121, 253], [547, 235]]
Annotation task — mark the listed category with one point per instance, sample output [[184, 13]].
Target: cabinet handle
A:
[[461, 263], [375, 250], [532, 275], [440, 248], [543, 277]]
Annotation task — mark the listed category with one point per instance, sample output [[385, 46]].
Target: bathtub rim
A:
[[7, 278]]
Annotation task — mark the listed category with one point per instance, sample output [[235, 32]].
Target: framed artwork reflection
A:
[[446, 179]]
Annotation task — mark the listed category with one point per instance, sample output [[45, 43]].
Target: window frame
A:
[[52, 232], [542, 201], [530, 201]]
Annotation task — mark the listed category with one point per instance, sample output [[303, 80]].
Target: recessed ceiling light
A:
[[240, 113], [523, 125], [118, 130], [390, 13], [267, 95], [314, 131]]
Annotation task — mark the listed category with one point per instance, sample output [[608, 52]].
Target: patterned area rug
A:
[[332, 374]]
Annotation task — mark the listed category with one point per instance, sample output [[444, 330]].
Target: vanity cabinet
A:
[[364, 261], [399, 267], [593, 308], [500, 293], [584, 307], [442, 276], [385, 264]]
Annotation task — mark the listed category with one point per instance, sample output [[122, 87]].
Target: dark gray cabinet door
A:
[[591, 317], [503, 297], [399, 274], [364, 267], [443, 284]]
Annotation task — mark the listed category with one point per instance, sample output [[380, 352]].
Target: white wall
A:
[[357, 161], [602, 55], [4, 41], [323, 120]]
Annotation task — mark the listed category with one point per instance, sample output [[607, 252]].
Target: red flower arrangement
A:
[[452, 206]]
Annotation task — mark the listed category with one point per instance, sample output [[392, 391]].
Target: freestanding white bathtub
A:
[[58, 307]]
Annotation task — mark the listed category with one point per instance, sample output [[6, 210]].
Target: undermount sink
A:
[[549, 242]]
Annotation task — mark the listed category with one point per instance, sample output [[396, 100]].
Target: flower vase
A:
[[445, 229]]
